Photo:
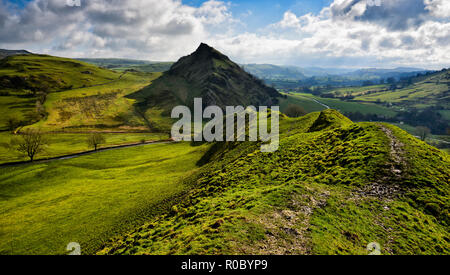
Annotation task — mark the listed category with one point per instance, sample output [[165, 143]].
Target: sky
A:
[[305, 33]]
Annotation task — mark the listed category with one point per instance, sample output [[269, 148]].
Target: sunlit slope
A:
[[91, 198], [49, 74], [102, 107], [424, 91], [56, 93], [333, 187]]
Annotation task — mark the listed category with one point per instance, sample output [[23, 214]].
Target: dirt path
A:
[[387, 185]]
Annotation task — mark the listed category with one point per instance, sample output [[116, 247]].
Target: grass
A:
[[77, 94], [147, 68], [20, 108], [61, 144], [90, 198], [52, 74], [425, 91], [303, 199], [356, 91], [102, 106], [310, 104]]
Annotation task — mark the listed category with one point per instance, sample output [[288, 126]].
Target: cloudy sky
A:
[[326, 33]]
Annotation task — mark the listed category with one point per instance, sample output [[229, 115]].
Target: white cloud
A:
[[347, 33], [438, 8], [151, 29]]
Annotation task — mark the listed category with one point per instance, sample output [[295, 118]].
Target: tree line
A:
[[33, 142]]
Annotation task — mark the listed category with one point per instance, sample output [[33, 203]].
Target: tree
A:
[[95, 139], [295, 111], [423, 132], [30, 143]]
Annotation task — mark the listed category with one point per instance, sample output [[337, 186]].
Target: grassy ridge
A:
[[50, 74], [90, 198], [313, 196]]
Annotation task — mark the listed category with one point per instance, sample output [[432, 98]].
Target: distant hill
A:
[[274, 72], [148, 68], [378, 74], [208, 74], [49, 74], [431, 89], [119, 64], [5, 53], [287, 77]]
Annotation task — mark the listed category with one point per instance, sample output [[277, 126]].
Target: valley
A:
[[344, 176]]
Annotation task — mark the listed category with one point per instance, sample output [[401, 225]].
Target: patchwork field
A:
[[313, 103]]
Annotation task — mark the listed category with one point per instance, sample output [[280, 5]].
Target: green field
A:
[[312, 196], [423, 92], [311, 104], [90, 198], [61, 144]]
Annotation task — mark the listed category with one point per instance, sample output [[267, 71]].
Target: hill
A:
[[424, 90], [333, 187], [269, 71], [5, 53], [49, 74], [113, 62], [121, 65], [57, 92], [148, 68], [208, 74], [377, 74]]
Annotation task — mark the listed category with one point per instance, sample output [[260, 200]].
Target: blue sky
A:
[[264, 12], [327, 33]]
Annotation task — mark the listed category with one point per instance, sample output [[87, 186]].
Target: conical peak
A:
[[204, 47], [204, 50]]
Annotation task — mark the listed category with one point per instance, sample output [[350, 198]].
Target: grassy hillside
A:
[[91, 198], [5, 53], [268, 71], [208, 74], [23, 73], [27, 80], [332, 188], [424, 91], [103, 107], [118, 64], [57, 94], [147, 68]]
